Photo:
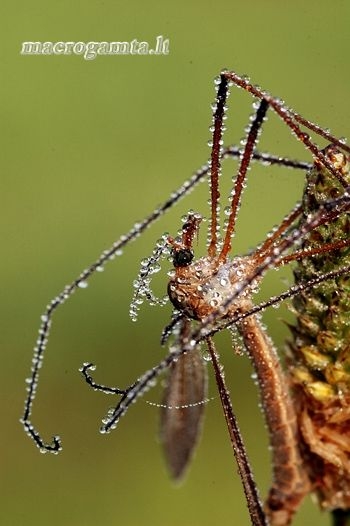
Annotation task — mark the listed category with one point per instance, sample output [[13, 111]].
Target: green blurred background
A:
[[89, 147]]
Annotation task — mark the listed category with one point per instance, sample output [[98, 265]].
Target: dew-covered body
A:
[[203, 289], [205, 286], [309, 435]]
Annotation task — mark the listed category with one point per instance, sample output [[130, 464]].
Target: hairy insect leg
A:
[[98, 265], [149, 377], [86, 367], [291, 482], [215, 165], [81, 282], [292, 120], [251, 141], [256, 512]]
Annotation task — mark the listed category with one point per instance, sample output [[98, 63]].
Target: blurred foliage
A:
[[89, 147]]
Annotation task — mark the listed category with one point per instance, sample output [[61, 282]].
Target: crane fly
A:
[[215, 292]]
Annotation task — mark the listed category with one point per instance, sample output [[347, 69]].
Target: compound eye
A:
[[182, 257]]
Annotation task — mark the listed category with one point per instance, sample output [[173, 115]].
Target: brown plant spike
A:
[[319, 361], [215, 292]]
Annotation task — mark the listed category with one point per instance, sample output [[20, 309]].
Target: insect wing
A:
[[182, 410]]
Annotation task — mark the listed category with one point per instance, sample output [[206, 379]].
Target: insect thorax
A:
[[205, 287]]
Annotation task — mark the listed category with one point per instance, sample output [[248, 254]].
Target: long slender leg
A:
[[291, 118], [271, 239], [107, 255], [81, 282], [215, 166], [242, 172], [209, 325], [253, 500], [134, 391], [322, 249]]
